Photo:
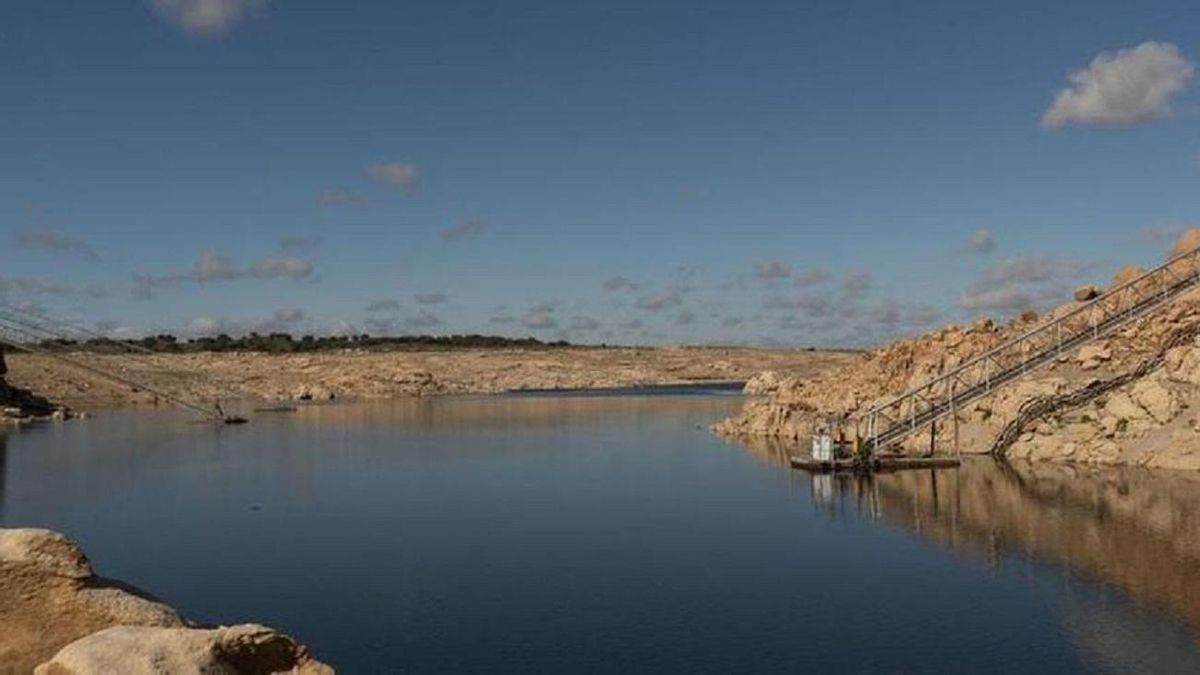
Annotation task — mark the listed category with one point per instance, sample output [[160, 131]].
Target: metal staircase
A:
[[889, 423]]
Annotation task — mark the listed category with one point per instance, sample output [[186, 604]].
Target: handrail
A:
[[1167, 283]]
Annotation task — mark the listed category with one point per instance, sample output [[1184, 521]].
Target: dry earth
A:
[[362, 374]]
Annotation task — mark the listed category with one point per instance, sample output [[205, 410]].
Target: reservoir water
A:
[[614, 534]]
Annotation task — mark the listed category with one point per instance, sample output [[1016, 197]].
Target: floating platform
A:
[[878, 464]]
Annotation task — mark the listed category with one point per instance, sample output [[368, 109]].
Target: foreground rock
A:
[[52, 602], [1133, 396], [143, 650]]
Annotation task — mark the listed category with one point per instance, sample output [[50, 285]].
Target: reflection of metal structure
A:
[[893, 421], [30, 332]]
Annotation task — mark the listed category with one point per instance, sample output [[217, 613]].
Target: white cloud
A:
[[1133, 85], [207, 18], [44, 239], [213, 267], [396, 174]]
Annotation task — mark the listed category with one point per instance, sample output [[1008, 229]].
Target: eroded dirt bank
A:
[[362, 374], [1130, 399]]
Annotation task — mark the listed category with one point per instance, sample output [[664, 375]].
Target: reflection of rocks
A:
[[1135, 529], [50, 599]]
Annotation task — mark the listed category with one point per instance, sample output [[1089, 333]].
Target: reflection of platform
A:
[[879, 463]]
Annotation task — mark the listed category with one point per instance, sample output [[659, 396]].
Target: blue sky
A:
[[737, 172]]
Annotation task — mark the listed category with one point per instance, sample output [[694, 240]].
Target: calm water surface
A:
[[615, 534]]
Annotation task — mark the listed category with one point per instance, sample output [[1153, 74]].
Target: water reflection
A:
[[1133, 529]]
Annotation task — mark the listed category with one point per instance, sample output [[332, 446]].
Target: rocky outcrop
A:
[[1127, 399], [764, 383], [56, 611], [145, 650], [19, 405]]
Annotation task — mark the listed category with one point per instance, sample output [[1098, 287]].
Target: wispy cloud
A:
[[44, 239], [376, 306], [282, 320], [14, 287], [772, 271], [436, 298], [214, 267], [301, 243], [207, 18], [1130, 86], [540, 319], [396, 174], [469, 228], [856, 283], [813, 278], [981, 241], [331, 197], [660, 301], [422, 319], [1021, 283], [619, 284]]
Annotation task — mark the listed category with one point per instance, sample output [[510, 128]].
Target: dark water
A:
[[613, 534]]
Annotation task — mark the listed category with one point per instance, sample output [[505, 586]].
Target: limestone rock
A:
[[762, 384], [1121, 406], [1091, 356], [49, 551], [1155, 399], [1085, 293], [146, 650]]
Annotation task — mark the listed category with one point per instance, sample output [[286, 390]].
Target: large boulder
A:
[[248, 649], [56, 612], [1085, 293], [49, 596]]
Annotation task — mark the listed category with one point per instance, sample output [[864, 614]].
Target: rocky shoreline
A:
[[60, 618], [364, 374], [1129, 399]]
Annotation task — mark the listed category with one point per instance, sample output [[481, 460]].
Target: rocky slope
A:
[[365, 374], [1129, 399], [18, 406], [59, 618]]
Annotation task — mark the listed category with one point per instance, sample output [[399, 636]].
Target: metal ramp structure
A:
[[891, 422], [34, 333]]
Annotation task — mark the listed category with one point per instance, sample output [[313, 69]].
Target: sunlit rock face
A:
[[1146, 418]]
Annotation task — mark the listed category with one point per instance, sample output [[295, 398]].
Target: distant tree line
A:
[[285, 343]]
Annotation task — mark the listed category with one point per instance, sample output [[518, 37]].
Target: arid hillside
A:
[[1148, 420], [367, 374]]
